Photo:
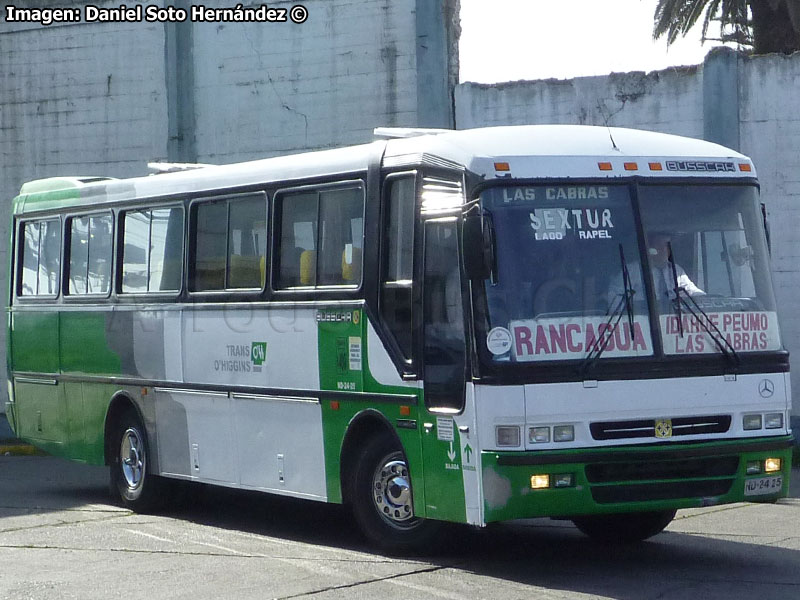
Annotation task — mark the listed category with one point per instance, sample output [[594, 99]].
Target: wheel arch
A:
[[121, 401], [362, 427]]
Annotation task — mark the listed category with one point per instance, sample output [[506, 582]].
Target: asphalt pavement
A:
[[62, 536]]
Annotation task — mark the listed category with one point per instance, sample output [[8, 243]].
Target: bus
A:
[[439, 326]]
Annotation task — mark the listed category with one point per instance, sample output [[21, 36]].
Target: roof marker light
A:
[[655, 166], [502, 166], [631, 166], [604, 166]]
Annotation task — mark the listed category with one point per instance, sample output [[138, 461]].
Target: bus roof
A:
[[528, 151]]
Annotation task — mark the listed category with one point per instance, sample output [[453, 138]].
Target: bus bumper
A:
[[520, 485]]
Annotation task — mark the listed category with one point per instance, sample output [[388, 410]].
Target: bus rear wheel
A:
[[131, 479], [382, 499], [624, 528]]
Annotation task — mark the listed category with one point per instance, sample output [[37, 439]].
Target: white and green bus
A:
[[465, 326]]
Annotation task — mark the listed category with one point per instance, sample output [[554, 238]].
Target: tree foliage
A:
[[764, 25]]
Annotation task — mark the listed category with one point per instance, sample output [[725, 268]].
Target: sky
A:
[[508, 40]]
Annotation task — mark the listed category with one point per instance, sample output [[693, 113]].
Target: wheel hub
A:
[[132, 458], [393, 492]]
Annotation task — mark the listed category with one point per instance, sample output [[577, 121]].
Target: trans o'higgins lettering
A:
[[695, 166]]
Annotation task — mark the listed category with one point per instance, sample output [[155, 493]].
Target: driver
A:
[[664, 281]]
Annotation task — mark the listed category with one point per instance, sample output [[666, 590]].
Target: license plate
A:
[[763, 486]]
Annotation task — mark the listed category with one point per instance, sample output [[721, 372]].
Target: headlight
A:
[[773, 421], [772, 465], [507, 435], [563, 480], [751, 422], [563, 433], [539, 435]]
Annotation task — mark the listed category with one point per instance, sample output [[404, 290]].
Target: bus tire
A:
[[624, 528], [137, 488], [382, 499]]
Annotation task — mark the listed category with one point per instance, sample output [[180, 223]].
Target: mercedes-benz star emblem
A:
[[766, 388]]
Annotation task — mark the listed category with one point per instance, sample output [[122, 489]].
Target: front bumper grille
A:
[[646, 428]]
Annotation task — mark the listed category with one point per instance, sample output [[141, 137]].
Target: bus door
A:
[[444, 372]]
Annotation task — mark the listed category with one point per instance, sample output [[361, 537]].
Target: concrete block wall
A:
[[670, 101], [749, 103], [284, 87]]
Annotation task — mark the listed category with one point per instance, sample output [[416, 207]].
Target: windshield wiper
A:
[[725, 347], [603, 337], [626, 282]]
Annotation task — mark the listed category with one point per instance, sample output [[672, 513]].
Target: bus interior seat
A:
[[351, 271], [210, 274], [308, 267], [245, 271]]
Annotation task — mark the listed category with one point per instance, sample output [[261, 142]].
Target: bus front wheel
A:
[[138, 489], [624, 528], [382, 499]]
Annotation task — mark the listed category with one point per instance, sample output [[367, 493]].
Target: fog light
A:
[[773, 421], [563, 433], [753, 467], [539, 435], [563, 480], [751, 422], [539, 482], [507, 435], [772, 465]]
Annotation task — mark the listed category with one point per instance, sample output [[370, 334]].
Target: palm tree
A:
[[765, 25]]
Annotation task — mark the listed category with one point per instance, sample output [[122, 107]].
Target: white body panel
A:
[[581, 404], [216, 345]]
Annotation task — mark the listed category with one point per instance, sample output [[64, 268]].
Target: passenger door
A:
[[444, 371]]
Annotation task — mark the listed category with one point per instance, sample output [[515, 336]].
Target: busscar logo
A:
[[700, 166]]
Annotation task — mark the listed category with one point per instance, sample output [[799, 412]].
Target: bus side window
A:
[[230, 242], [90, 254], [321, 237], [298, 225], [152, 250], [341, 215], [41, 258], [397, 270]]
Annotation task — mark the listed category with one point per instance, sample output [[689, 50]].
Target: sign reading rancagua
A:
[[571, 338]]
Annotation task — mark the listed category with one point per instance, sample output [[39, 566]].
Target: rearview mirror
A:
[[477, 247]]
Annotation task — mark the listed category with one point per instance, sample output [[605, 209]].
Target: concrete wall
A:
[[106, 98], [749, 103]]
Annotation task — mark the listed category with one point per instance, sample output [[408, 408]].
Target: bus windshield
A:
[[572, 277], [720, 261]]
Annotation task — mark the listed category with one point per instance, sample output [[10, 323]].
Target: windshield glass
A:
[[559, 285], [719, 265]]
